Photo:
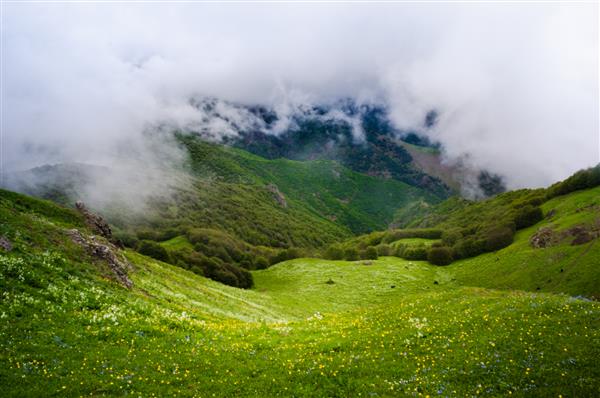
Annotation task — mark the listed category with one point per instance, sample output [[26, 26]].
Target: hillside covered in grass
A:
[[308, 327], [230, 209], [565, 214]]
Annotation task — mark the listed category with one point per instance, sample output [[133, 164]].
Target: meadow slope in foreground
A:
[[309, 327]]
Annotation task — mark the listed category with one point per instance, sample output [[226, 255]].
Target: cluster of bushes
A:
[[336, 252], [207, 264], [378, 238], [425, 233], [155, 250], [377, 244], [466, 239], [487, 236], [134, 240], [212, 253], [583, 179], [213, 268]]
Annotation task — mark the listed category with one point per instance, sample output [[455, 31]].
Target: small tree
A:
[[384, 250], [334, 253], [261, 263], [440, 255], [351, 254], [370, 253], [498, 238], [154, 250], [527, 216], [451, 236], [416, 252]]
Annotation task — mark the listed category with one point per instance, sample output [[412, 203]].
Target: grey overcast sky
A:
[[516, 84]]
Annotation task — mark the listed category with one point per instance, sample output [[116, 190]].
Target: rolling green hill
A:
[[309, 327], [565, 214], [239, 209]]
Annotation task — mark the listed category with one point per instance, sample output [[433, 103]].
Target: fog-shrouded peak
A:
[[506, 87]]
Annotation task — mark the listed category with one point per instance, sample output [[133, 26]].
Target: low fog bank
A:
[[129, 178]]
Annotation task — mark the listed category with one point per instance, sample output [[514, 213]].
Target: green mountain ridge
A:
[[240, 210]]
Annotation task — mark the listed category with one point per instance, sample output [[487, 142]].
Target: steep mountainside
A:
[[374, 149], [359, 136]]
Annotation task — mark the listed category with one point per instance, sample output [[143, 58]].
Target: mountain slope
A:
[[278, 203], [538, 240], [328, 189], [229, 209], [561, 266], [359, 137]]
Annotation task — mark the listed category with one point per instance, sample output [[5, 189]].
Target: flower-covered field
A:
[[177, 334], [309, 327]]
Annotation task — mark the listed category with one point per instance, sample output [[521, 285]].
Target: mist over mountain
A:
[[514, 87]]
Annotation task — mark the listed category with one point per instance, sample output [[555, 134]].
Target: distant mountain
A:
[[360, 137]]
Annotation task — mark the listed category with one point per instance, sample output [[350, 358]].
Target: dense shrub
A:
[[148, 234], [154, 250], [583, 179], [440, 255], [451, 236], [351, 254], [498, 238], [286, 254], [243, 277], [469, 247], [215, 269], [536, 198], [397, 234], [398, 251], [225, 277], [417, 253], [127, 239], [370, 253], [374, 238], [279, 257], [384, 250], [334, 253], [261, 262], [167, 234], [527, 216]]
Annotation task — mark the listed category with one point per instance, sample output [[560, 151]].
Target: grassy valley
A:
[[478, 327]]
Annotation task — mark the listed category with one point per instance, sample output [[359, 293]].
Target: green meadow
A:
[[515, 322]]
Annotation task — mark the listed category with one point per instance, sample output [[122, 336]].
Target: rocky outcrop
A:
[[578, 234], [544, 237], [95, 221], [105, 251], [581, 235], [277, 195], [5, 244]]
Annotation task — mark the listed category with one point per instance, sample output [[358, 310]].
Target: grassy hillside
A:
[[560, 267], [277, 203], [235, 210], [308, 328], [372, 149], [325, 188], [567, 213]]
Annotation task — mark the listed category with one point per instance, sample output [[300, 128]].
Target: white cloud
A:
[[516, 85]]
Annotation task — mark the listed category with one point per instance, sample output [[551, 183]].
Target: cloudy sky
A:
[[516, 85]]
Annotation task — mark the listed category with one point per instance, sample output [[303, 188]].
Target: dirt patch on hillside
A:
[[577, 235]]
